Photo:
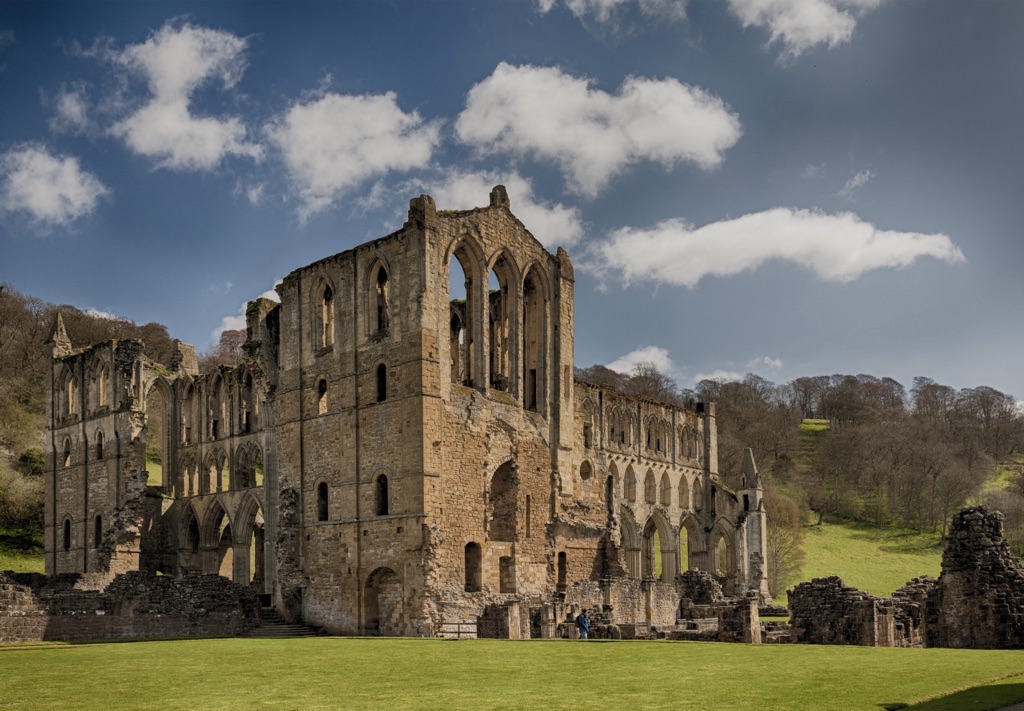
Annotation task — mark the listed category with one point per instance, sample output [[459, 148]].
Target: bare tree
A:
[[228, 351]]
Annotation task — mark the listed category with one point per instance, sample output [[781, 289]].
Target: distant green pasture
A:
[[350, 673], [876, 560], [21, 551]]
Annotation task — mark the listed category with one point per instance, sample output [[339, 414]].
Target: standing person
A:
[[583, 623]]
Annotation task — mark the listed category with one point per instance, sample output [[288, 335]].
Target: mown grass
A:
[[876, 560], [21, 551], [330, 673]]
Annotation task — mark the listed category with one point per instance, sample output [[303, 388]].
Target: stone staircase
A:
[[273, 625]]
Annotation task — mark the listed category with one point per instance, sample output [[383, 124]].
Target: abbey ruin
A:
[[396, 456]]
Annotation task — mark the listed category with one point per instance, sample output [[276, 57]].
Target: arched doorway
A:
[[658, 560], [504, 491], [382, 604]]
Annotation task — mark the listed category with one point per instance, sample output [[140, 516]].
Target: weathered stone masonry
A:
[[394, 457], [977, 602]]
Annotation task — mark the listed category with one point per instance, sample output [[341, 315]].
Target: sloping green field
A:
[[351, 673], [21, 552], [875, 560]]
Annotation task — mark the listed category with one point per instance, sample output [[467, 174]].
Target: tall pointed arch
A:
[[466, 263], [631, 540], [251, 543], [535, 339], [502, 325], [378, 295]]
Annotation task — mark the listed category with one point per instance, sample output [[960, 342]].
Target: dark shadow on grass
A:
[[979, 698], [21, 542]]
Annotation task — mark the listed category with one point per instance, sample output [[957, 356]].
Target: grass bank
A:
[[329, 673], [876, 560], [21, 551]]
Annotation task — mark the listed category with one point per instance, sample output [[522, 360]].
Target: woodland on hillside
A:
[[25, 326]]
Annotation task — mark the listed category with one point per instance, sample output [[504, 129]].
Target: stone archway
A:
[[659, 551], [251, 553], [383, 608]]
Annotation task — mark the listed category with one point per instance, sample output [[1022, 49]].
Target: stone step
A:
[[273, 625]]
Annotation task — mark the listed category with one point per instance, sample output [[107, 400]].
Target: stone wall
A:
[[978, 602], [133, 606], [826, 611]]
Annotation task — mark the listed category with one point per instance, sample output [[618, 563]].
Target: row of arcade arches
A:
[[232, 546], [683, 489], [661, 550], [499, 323]]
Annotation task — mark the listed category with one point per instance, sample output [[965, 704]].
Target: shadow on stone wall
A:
[[133, 605]]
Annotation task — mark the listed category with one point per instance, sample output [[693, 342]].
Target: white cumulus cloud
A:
[[333, 142], [236, 322], [51, 190], [839, 247], [177, 60], [552, 224], [592, 135], [798, 25], [645, 354]]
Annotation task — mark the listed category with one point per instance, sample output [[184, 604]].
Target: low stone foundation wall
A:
[[827, 611], [132, 606]]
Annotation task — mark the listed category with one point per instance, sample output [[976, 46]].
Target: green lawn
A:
[[875, 560], [327, 673]]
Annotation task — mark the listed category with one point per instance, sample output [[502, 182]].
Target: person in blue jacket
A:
[[583, 623]]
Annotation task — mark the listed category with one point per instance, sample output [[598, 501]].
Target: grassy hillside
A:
[[875, 560], [335, 672], [21, 551]]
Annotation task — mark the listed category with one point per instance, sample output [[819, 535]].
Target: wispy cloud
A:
[[764, 362], [591, 135], [6, 40], [814, 172], [794, 25], [71, 109], [606, 10], [838, 248], [51, 190], [854, 183]]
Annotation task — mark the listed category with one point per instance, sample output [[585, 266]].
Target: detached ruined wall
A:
[[978, 602], [133, 606], [826, 611]]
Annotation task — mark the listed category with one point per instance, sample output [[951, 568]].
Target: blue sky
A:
[[783, 187]]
